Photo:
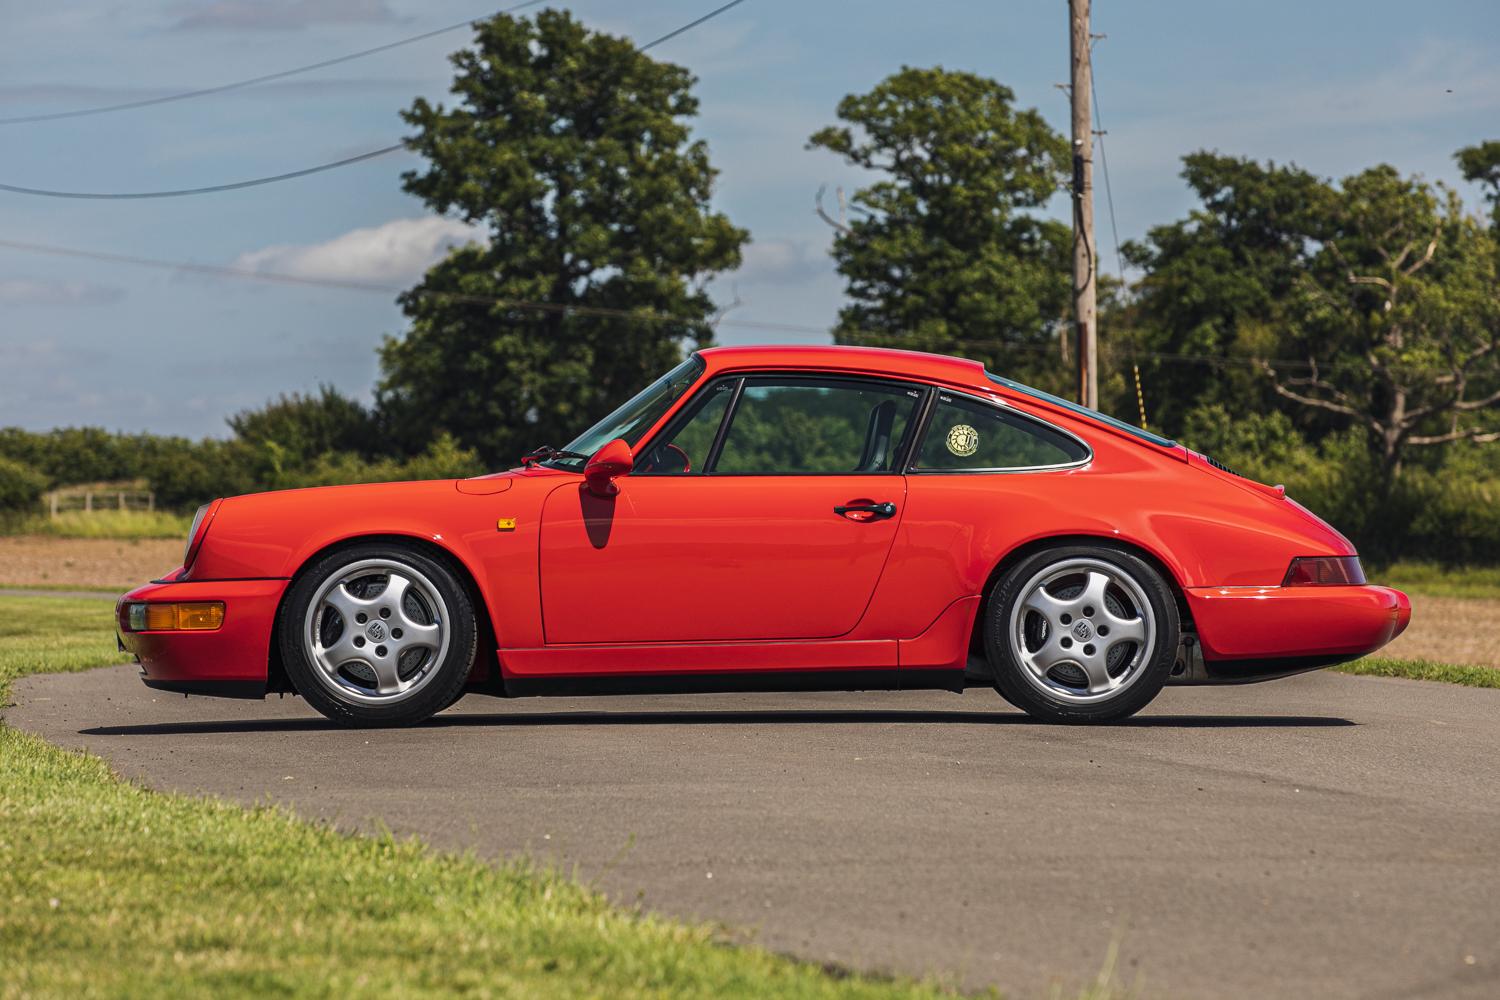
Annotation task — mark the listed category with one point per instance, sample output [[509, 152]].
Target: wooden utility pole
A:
[[1084, 254]]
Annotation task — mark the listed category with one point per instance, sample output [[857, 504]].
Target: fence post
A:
[[122, 499], [150, 502], [54, 504], [88, 501]]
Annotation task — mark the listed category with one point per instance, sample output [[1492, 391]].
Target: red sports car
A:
[[774, 519]]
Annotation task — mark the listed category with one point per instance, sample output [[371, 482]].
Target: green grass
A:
[[1434, 580], [93, 589], [107, 889], [1423, 670], [45, 635], [106, 524]]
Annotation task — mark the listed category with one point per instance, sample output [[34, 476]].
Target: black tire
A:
[[1051, 694], [439, 678]]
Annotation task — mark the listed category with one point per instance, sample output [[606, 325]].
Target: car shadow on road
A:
[[701, 717]]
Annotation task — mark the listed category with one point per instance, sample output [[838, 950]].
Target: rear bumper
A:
[[232, 660], [1295, 623]]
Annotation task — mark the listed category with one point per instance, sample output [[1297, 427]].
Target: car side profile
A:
[[773, 518]]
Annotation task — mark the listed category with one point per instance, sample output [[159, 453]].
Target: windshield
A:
[[633, 419], [1083, 411]]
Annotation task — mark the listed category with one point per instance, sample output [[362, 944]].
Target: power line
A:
[[252, 81], [291, 174], [1109, 194], [219, 270], [645, 316], [233, 186]]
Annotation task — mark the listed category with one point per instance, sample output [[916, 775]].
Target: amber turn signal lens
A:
[[160, 617], [200, 616]]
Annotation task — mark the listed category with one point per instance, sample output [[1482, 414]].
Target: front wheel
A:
[[379, 634], [1081, 633]]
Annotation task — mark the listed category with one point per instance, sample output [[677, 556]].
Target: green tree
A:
[[1215, 285], [1398, 318], [305, 426], [1371, 304], [574, 151], [1481, 164], [945, 252], [21, 486]]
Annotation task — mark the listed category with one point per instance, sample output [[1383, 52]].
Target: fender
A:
[[273, 535]]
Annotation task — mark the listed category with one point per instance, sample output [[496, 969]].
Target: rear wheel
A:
[[1081, 633], [379, 634]]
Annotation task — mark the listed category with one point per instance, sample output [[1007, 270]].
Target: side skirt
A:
[[712, 683]]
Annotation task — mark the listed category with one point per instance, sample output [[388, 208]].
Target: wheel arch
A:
[[484, 671], [1035, 545]]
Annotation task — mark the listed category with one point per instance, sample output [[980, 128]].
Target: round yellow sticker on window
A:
[[963, 440]]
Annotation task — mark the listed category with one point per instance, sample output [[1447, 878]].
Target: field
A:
[[47, 562]]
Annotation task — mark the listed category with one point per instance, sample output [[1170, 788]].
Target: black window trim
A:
[[912, 468], [904, 450]]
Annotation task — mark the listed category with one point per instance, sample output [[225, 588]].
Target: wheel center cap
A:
[[376, 631], [1082, 630]]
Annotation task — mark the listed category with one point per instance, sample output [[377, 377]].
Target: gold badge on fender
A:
[[505, 524]]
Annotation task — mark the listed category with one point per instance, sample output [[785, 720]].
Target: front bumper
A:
[[1296, 623], [232, 660]]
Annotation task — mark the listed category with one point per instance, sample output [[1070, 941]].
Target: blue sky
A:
[[1333, 87]]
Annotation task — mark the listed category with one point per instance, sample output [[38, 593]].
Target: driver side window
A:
[[799, 426], [792, 425]]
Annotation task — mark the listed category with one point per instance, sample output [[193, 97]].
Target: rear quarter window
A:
[[968, 435]]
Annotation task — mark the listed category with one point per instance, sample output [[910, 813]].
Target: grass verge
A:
[[1423, 670], [105, 524], [1435, 580], [107, 889]]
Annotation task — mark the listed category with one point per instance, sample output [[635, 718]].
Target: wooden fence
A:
[[90, 500]]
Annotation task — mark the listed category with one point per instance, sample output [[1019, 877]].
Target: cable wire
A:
[[645, 316], [1109, 194], [233, 186], [291, 174], [252, 81]]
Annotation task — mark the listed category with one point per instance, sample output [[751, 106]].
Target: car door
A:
[[765, 511]]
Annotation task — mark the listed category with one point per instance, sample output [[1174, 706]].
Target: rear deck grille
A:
[[1221, 466]]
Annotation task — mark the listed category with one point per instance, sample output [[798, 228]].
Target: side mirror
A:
[[609, 463]]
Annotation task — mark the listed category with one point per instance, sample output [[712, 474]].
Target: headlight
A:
[[1324, 571], [197, 531]]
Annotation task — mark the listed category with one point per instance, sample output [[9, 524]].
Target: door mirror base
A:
[[608, 464]]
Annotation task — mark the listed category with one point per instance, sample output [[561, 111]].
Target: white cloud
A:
[[398, 251], [781, 262], [280, 14], [49, 292]]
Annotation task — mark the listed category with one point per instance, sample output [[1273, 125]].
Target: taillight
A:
[[1324, 571]]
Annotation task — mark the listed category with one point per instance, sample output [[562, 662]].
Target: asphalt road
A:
[[1323, 836]]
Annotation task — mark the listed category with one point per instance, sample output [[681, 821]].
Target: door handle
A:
[[867, 511]]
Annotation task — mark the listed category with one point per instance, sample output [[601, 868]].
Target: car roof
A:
[[874, 360], [918, 365]]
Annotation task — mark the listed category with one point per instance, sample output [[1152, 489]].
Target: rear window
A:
[[1082, 411]]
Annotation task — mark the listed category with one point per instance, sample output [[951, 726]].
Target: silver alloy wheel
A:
[[1082, 630], [376, 631]]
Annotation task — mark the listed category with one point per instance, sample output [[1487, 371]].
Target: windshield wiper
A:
[[547, 453]]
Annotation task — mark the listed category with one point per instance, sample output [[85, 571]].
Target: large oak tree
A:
[[947, 251], [573, 151]]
